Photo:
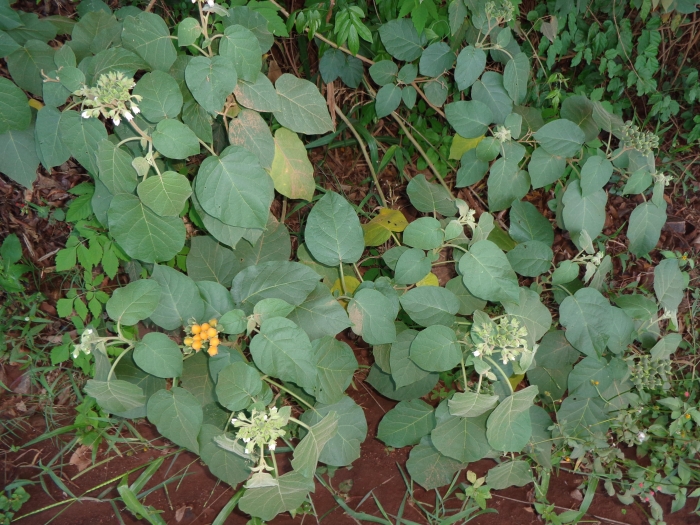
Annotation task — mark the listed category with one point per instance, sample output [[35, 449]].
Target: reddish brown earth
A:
[[197, 497]]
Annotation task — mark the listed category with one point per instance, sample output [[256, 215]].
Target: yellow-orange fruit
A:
[[214, 341], [212, 332], [196, 328], [213, 322], [212, 351], [205, 327], [197, 346]]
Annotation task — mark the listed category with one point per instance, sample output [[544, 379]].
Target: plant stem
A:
[[342, 279], [364, 153], [288, 392], [116, 361], [300, 423], [207, 147], [357, 271], [464, 373], [494, 363]]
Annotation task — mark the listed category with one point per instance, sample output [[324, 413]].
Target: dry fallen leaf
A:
[[81, 458]]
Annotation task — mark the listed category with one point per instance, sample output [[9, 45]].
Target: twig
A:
[[364, 153]]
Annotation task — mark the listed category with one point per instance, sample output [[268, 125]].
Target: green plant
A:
[[11, 273], [511, 316], [11, 501]]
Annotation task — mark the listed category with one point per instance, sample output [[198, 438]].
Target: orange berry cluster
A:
[[203, 336]]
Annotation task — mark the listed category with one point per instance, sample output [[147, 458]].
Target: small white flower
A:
[[117, 121], [26, 318], [194, 1], [641, 437], [128, 115], [246, 440], [135, 109], [477, 353], [233, 420], [247, 451], [211, 3], [265, 417], [272, 445], [85, 114]]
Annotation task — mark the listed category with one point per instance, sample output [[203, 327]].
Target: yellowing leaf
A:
[[429, 280], [35, 104], [378, 230], [515, 380], [460, 146], [291, 170], [351, 285]]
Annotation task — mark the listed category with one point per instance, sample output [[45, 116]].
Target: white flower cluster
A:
[[87, 338], [508, 337], [466, 215], [110, 98], [262, 429], [502, 134]]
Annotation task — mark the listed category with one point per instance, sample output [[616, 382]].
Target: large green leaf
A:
[[487, 273], [515, 473], [18, 157], [508, 428], [250, 131], [115, 395], [370, 313], [387, 100], [26, 63], [595, 174], [302, 108], [644, 229], [267, 502], [149, 37], [531, 258], [461, 438], [383, 72], [467, 302], [134, 302], [553, 363], [583, 417], [240, 45], [165, 193], [425, 233], [309, 449], [235, 189], [49, 145], [401, 39], [333, 233], [174, 139], [590, 375], [528, 224], [116, 170], [127, 370], [158, 355], [95, 32], [436, 59], [429, 468], [491, 92], [178, 416], [256, 22], [471, 404], [436, 349], [545, 168], [197, 380], [404, 371], [336, 364], [258, 96], [561, 137], [344, 447], [222, 232], [515, 77], [217, 299], [14, 107], [259, 246], [141, 233], [112, 59], [470, 65], [469, 118], [224, 464], [583, 213], [320, 314], [585, 315], [208, 260], [406, 423], [430, 305], [291, 169], [412, 265], [82, 137], [385, 385], [179, 300], [237, 384], [161, 96], [289, 281], [669, 284], [211, 80], [430, 198], [506, 183], [282, 349]]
